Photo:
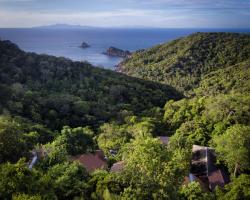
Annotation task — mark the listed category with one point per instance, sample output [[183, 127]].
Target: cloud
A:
[[122, 17], [104, 18], [10, 1], [158, 13], [199, 4]]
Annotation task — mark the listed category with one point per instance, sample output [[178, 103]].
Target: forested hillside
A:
[[57, 92], [61, 109], [182, 63], [233, 79]]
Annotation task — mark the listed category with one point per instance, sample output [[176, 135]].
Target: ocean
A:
[[66, 42]]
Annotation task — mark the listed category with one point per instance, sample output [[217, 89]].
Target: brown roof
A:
[[216, 179], [202, 182], [92, 161], [118, 166], [204, 165]]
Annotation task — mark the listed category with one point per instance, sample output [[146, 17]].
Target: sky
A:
[[127, 13]]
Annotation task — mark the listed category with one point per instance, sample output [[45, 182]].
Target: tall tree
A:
[[238, 189], [17, 178], [13, 141], [66, 180], [150, 171], [193, 191], [76, 140], [233, 148]]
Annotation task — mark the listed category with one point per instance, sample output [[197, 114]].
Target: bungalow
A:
[[92, 161], [203, 167], [191, 178]]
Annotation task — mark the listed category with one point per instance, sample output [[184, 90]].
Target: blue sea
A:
[[66, 42]]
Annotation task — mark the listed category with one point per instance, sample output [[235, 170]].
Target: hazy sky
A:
[[127, 13]]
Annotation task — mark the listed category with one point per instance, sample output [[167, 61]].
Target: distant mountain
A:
[[183, 62], [64, 26]]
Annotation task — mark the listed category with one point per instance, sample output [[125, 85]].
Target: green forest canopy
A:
[[58, 92], [182, 63], [41, 94]]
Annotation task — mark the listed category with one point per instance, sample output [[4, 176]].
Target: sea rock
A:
[[84, 45], [113, 51]]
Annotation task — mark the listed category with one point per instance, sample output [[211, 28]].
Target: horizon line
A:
[[57, 26]]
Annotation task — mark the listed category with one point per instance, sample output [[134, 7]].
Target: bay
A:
[[65, 42]]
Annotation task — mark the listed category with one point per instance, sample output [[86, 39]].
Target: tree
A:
[[112, 137], [233, 148], [12, 140], [144, 127], [184, 62], [179, 112], [57, 92], [17, 178], [193, 191], [44, 134], [67, 180], [150, 171], [97, 184], [76, 140], [18, 138], [232, 108], [26, 197], [194, 132], [56, 153], [238, 189]]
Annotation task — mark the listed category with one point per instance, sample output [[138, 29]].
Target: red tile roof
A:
[[92, 161]]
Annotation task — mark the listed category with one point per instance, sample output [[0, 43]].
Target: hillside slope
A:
[[183, 62], [234, 79], [57, 92]]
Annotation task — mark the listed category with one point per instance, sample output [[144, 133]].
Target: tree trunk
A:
[[236, 169]]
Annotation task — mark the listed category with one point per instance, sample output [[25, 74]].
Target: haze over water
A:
[[66, 42]]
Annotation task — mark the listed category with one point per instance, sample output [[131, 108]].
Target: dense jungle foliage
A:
[[182, 63], [69, 108], [57, 92]]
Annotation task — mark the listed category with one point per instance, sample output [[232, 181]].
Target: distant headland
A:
[[116, 52], [64, 26]]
